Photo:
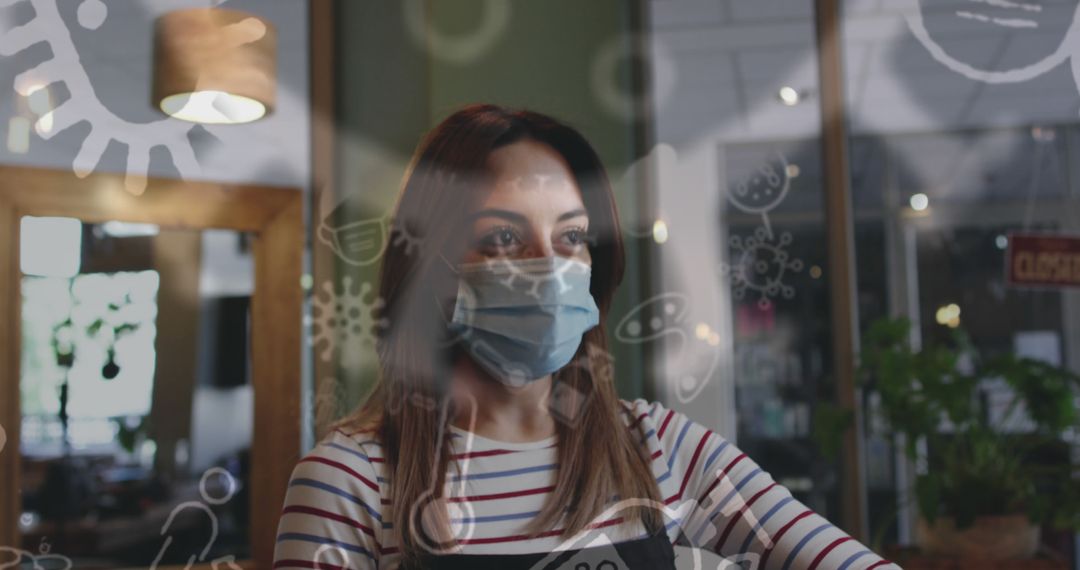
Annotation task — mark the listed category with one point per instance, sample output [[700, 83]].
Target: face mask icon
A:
[[357, 243]]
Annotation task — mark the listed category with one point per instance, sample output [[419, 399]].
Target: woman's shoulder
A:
[[666, 427], [346, 459]]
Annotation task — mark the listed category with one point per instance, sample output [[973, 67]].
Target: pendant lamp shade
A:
[[215, 66]]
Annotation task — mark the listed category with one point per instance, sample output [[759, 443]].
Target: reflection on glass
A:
[[136, 402], [963, 130]]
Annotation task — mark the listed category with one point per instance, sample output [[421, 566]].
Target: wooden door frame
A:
[[273, 215]]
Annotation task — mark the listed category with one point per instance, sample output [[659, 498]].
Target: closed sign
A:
[[1043, 260]]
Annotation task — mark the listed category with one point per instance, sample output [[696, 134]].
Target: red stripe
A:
[[663, 427], [780, 533], [507, 495], [742, 511], [689, 470], [821, 555], [520, 537], [656, 454], [342, 467], [307, 564], [637, 420], [328, 515], [882, 563], [488, 453], [720, 476]]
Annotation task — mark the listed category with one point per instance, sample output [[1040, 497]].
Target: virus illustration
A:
[[346, 321], [402, 236], [760, 265], [515, 276], [66, 67]]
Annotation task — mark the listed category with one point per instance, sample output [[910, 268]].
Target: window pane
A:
[[963, 134]]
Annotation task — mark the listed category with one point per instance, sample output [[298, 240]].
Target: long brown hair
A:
[[598, 457]]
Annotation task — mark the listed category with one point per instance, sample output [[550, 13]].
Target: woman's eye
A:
[[574, 237], [499, 241]]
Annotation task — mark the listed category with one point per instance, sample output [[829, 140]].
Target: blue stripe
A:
[[497, 518], [761, 522], [339, 492], [716, 510], [498, 474], [715, 454], [802, 543], [352, 452], [323, 540], [678, 443], [847, 563]]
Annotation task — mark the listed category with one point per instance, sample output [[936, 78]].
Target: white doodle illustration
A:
[[516, 277], [761, 266], [462, 48], [597, 550], [459, 510], [761, 189], [665, 315], [616, 93], [208, 500], [323, 550], [362, 242], [358, 243], [346, 320], [43, 560], [1018, 16], [83, 105]]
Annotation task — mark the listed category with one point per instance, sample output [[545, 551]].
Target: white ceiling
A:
[[117, 58], [731, 57]]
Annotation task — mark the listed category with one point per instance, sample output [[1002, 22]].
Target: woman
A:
[[495, 438]]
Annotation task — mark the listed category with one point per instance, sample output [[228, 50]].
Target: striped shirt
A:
[[714, 497]]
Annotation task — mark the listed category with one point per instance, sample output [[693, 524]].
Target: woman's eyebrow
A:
[[573, 214], [498, 213]]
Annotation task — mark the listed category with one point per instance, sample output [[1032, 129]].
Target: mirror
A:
[[137, 404]]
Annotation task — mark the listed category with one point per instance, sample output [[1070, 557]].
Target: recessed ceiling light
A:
[[789, 96], [920, 202]]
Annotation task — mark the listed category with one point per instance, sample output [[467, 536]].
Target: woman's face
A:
[[534, 208]]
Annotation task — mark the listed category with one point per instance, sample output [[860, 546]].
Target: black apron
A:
[[650, 553]]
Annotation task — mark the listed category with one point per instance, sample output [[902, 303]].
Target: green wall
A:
[[392, 87]]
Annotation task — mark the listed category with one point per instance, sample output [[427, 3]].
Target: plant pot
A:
[[989, 538]]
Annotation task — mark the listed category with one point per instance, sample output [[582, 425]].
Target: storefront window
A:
[[963, 140]]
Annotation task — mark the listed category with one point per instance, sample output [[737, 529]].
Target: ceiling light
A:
[[920, 202], [789, 96], [948, 315], [659, 231], [215, 66]]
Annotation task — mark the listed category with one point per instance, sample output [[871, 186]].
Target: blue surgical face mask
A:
[[523, 319]]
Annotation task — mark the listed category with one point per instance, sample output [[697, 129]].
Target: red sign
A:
[[1043, 260]]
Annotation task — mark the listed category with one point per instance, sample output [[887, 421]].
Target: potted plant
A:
[[982, 492]]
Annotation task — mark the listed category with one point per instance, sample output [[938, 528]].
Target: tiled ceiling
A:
[[731, 57]]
